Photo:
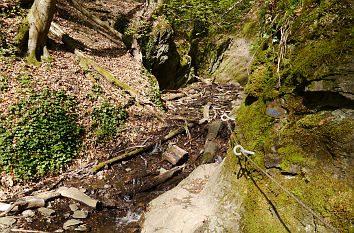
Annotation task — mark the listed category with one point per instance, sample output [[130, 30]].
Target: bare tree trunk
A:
[[32, 36]]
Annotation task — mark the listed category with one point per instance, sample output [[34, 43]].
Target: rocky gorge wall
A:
[[297, 116], [298, 119]]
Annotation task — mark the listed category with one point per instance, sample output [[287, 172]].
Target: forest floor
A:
[[116, 183]]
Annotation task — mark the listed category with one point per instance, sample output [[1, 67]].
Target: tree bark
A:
[[32, 36]]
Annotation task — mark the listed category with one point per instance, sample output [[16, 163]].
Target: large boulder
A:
[[167, 60], [200, 203]]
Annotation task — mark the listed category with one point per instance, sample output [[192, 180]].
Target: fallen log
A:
[[156, 180], [174, 154], [142, 149]]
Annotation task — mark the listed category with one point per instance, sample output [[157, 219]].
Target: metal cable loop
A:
[[245, 152]]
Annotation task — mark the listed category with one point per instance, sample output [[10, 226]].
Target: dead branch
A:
[[142, 149], [27, 231]]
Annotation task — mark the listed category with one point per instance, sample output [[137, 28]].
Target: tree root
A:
[[97, 21]]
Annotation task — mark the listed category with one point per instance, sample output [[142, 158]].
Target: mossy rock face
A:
[[309, 149], [235, 62], [167, 60], [207, 54]]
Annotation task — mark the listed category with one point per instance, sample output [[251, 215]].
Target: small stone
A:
[[73, 207], [82, 227], [28, 213], [100, 175], [80, 214], [46, 211], [59, 230], [7, 221], [49, 205], [71, 223]]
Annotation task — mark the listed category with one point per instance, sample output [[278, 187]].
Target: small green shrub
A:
[[39, 135], [12, 10], [4, 85], [107, 120]]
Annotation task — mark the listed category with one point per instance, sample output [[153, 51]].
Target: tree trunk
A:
[[32, 36]]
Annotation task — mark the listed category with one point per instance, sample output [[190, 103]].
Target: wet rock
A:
[[72, 223], [46, 211], [80, 214], [7, 221], [77, 195], [73, 207], [28, 213]]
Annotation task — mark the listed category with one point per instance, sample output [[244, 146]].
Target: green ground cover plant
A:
[[106, 122], [39, 135]]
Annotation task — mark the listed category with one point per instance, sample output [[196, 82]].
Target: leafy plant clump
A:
[[198, 17], [107, 120], [39, 135]]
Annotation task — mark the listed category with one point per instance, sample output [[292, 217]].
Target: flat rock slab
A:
[[193, 205], [73, 207], [80, 214], [77, 195], [7, 221], [71, 224], [28, 213], [46, 211]]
